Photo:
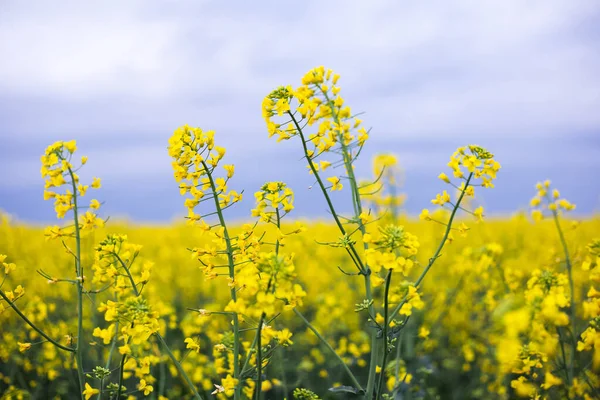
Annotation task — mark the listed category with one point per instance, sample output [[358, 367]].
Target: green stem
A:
[[439, 249], [79, 271], [259, 357], [121, 372], [101, 389], [564, 356], [563, 241], [352, 251], [347, 157], [115, 339], [32, 325], [398, 354], [236, 326], [178, 366], [314, 330], [113, 345], [133, 286], [388, 280]]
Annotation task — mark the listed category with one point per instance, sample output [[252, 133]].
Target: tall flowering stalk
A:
[[382, 195], [131, 318], [195, 166], [338, 134], [63, 185], [277, 288], [317, 105], [262, 283], [549, 201], [58, 171]]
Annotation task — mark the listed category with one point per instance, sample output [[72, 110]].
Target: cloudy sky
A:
[[519, 77]]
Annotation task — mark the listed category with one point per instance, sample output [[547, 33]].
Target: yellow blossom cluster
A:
[[383, 194], [548, 199], [392, 248], [473, 166], [195, 161], [316, 104], [57, 171]]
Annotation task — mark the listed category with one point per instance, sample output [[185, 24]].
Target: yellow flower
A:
[[284, 337], [551, 380], [192, 344], [324, 165], [125, 349], [423, 332], [335, 183], [229, 169], [441, 199], [478, 213], [444, 177], [89, 391], [537, 215], [23, 347], [523, 388], [94, 204], [228, 385], [145, 388], [96, 183], [71, 146], [8, 267], [364, 217]]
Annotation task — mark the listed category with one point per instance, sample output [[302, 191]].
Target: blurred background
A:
[[521, 78]]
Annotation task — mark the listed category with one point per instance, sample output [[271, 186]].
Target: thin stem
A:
[[259, 357], [258, 338], [236, 327], [121, 372], [347, 157], [398, 354], [563, 241], [386, 301], [314, 330], [439, 249], [311, 164], [32, 325], [79, 271], [133, 286], [562, 350], [112, 346], [179, 367]]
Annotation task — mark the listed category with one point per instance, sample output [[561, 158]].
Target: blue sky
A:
[[520, 78]]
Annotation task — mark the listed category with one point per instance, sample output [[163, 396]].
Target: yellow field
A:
[[468, 295]]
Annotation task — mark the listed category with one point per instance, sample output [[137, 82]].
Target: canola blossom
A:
[[373, 304]]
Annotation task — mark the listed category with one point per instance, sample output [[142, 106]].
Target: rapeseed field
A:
[[373, 304]]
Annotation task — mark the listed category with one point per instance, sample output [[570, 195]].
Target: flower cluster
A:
[[58, 171], [548, 200], [590, 337], [392, 248], [11, 295], [383, 193], [317, 104], [195, 161], [530, 340], [473, 166], [269, 198]]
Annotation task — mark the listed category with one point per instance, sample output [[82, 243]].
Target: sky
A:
[[520, 78]]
